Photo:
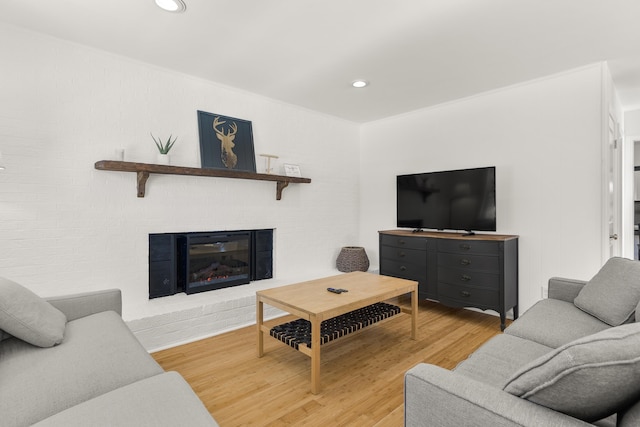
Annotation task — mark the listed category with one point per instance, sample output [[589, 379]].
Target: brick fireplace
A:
[[203, 261]]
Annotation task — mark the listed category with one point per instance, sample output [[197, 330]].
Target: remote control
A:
[[334, 290]]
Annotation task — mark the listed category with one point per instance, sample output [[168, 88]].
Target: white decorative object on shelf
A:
[[268, 168], [292, 170], [163, 159]]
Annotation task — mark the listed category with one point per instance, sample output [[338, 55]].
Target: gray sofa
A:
[[571, 360], [72, 361]]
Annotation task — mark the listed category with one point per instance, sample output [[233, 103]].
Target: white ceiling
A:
[[415, 53]]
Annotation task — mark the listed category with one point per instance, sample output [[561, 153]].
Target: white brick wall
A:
[[66, 227], [207, 314]]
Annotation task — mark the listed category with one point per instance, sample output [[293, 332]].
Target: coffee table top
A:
[[311, 298]]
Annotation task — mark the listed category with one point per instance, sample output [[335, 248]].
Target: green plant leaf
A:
[[164, 148]]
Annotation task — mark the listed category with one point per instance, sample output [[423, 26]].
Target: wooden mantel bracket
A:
[[281, 185], [142, 182], [143, 170]]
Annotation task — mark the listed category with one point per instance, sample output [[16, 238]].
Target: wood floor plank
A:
[[362, 375]]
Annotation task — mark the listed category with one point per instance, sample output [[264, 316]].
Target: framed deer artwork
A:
[[226, 143]]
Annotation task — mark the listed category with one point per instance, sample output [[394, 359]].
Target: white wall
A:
[[544, 137], [66, 227], [632, 123]]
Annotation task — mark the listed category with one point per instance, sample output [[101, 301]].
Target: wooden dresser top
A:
[[449, 235]]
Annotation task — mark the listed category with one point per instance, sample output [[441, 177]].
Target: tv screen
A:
[[449, 200]]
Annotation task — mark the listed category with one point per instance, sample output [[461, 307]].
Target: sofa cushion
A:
[[553, 323], [499, 358], [613, 293], [590, 378], [161, 400], [99, 354], [25, 315]]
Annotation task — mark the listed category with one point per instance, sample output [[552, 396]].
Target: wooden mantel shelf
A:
[[143, 170]]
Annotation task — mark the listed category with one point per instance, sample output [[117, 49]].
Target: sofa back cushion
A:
[[613, 293], [589, 378], [28, 317]]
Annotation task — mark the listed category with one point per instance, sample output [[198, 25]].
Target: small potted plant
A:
[[163, 149]]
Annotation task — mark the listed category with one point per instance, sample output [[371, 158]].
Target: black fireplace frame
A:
[[168, 258]]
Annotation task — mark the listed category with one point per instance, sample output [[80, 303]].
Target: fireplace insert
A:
[[213, 261]]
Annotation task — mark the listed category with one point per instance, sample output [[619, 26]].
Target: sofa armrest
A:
[[435, 396], [84, 304], [565, 289]]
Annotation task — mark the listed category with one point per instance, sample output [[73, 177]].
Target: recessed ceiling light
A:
[[360, 83], [172, 5]]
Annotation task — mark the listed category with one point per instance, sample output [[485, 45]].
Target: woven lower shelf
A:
[[299, 331]]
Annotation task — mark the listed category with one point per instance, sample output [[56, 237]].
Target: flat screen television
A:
[[462, 199]]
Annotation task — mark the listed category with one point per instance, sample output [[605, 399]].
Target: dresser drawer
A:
[[468, 296], [489, 264], [404, 255], [469, 247], [403, 270], [418, 243], [473, 279]]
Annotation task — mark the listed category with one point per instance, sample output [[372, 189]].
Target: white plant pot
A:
[[163, 159]]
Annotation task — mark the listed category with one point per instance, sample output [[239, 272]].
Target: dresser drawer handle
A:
[[465, 278], [403, 268], [401, 242], [401, 254], [465, 247], [465, 294], [465, 261]]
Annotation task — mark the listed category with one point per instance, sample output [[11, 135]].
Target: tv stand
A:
[[458, 270]]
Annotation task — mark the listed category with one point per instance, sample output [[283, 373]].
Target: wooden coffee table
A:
[[312, 302]]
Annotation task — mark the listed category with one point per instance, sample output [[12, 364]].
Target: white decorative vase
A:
[[163, 159]]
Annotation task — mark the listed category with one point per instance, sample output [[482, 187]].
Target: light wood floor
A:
[[362, 374]]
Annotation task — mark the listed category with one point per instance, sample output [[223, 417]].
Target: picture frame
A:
[[292, 170], [226, 142]]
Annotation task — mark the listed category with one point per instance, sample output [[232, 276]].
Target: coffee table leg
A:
[[315, 355], [259, 322], [414, 314]]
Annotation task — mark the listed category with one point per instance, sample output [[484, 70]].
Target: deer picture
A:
[[229, 158]]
